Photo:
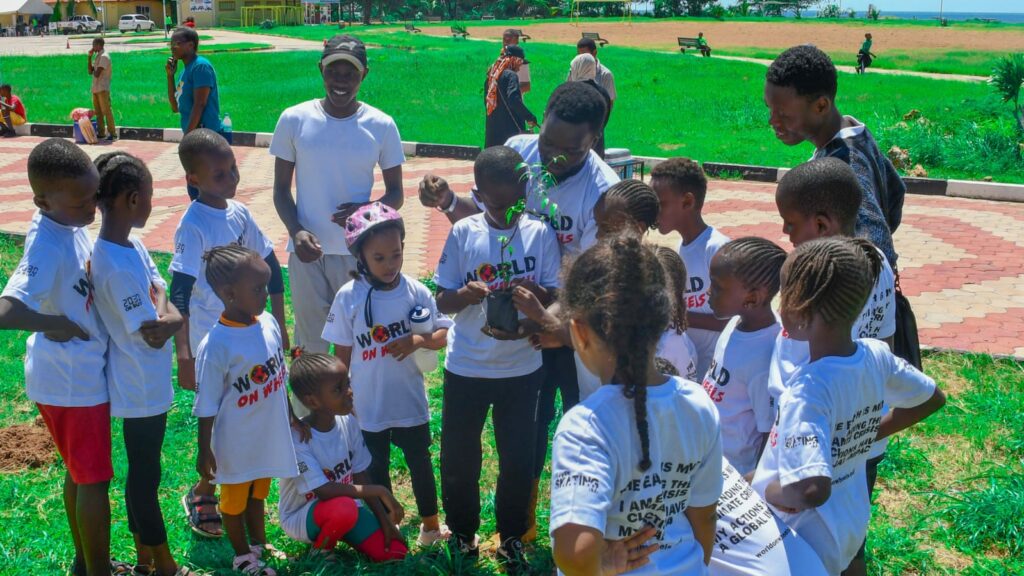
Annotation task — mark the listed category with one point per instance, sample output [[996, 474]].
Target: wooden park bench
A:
[[596, 37], [433, 19], [487, 17], [412, 28], [459, 33], [685, 43], [522, 35]]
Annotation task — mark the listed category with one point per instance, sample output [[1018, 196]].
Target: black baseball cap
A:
[[345, 47], [516, 51]]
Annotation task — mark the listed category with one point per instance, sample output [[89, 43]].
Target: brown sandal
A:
[[193, 504]]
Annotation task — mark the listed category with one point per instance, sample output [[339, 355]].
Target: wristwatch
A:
[[451, 206]]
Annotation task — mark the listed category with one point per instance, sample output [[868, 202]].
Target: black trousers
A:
[[143, 441], [560, 376], [466, 402], [414, 443]]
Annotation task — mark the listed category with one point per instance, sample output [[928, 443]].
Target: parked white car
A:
[[134, 23], [77, 24]]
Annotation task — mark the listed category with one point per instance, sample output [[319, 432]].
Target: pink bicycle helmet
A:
[[368, 217]]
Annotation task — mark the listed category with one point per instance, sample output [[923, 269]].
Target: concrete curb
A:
[[920, 186]]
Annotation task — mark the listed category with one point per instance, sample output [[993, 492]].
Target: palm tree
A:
[[1007, 78]]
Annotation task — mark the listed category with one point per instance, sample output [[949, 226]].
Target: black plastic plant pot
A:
[[501, 312]]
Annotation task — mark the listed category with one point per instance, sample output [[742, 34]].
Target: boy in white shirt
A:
[[213, 219], [682, 187], [50, 294]]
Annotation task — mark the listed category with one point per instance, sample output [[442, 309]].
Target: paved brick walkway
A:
[[962, 261]]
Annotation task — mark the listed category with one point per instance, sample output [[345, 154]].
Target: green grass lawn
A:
[[669, 105], [221, 48], [967, 62], [950, 499]]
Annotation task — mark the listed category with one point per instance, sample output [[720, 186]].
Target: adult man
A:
[[331, 145], [100, 69], [510, 37], [12, 111], [603, 75], [195, 96]]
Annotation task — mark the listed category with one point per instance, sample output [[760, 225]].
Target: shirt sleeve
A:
[[362, 458], [448, 274], [906, 386], [760, 400], [33, 280], [804, 435], [588, 228], [203, 75], [154, 273], [582, 475], [707, 478], [282, 144], [552, 259], [188, 250], [254, 237], [311, 473], [210, 381], [130, 299], [338, 326], [608, 81], [391, 152]]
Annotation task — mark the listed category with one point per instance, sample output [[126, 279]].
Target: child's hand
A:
[[206, 464], [498, 334], [473, 293], [628, 554], [67, 332], [405, 346], [306, 246], [391, 534], [551, 339], [157, 332], [527, 302], [187, 373], [434, 192], [395, 510]]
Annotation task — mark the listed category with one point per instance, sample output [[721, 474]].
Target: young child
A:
[[830, 413], [242, 402], [644, 441], [213, 219], [373, 315], [744, 279], [131, 299], [681, 187], [629, 204], [50, 294], [483, 368], [819, 199], [12, 112], [675, 346], [333, 498]]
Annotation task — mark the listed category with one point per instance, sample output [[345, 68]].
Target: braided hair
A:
[[308, 370], [675, 285], [641, 202], [617, 288], [755, 262], [830, 277], [223, 262], [120, 173]]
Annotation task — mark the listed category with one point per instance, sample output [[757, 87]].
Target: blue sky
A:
[[1015, 6]]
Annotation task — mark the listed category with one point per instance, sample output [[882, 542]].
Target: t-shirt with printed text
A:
[[827, 421], [679, 351], [139, 376], [387, 393], [697, 257]]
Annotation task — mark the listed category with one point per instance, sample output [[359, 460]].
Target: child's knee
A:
[[337, 515]]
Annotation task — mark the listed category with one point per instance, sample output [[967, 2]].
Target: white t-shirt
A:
[[473, 253], [387, 393], [575, 197], [751, 541], [737, 382], [697, 257], [679, 350], [606, 79], [139, 377], [201, 228], [53, 278], [827, 421], [596, 480], [334, 162], [242, 381], [333, 456]]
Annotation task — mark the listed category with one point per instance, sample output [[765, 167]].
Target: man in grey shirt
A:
[[603, 76]]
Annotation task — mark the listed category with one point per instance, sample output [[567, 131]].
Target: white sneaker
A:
[[251, 565], [428, 538]]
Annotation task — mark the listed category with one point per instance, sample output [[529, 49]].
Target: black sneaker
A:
[[460, 547], [512, 557]]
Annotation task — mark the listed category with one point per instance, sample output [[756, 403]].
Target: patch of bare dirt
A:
[[957, 561], [25, 446]]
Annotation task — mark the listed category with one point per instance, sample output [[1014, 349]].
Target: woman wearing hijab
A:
[[506, 113], [583, 68]]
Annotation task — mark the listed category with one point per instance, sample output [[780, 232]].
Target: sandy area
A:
[[662, 34]]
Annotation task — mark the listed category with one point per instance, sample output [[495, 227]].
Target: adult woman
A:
[[583, 68], [506, 113]]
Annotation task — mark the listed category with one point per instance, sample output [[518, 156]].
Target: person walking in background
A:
[[510, 37], [507, 116], [583, 68], [603, 76], [864, 56], [101, 70]]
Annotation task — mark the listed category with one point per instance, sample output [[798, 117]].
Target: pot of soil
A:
[[501, 312]]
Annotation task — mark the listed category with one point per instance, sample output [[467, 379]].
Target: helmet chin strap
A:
[[375, 284]]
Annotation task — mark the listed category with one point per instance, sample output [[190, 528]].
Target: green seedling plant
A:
[[539, 180]]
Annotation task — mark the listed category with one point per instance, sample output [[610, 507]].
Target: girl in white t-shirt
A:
[[380, 323], [644, 450], [744, 279], [675, 346], [813, 469], [333, 498], [131, 299]]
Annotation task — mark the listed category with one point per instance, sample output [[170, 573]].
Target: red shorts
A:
[[82, 436]]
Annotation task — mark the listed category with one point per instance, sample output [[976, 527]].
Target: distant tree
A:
[[58, 12], [697, 7], [1007, 78]]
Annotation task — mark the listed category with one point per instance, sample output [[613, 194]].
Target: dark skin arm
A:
[[157, 332], [306, 245], [15, 315], [186, 363], [807, 493], [705, 321], [393, 195], [582, 550], [434, 192], [454, 301], [206, 464], [702, 519], [277, 311], [902, 418], [199, 97], [170, 68]]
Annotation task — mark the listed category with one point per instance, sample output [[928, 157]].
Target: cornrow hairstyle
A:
[[307, 371], [665, 367], [755, 262], [578, 103], [683, 175], [198, 144], [618, 288], [120, 173], [641, 201], [826, 186], [675, 284], [805, 69], [830, 277], [223, 262], [56, 159]]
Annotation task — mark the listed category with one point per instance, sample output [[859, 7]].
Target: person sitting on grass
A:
[[12, 110]]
